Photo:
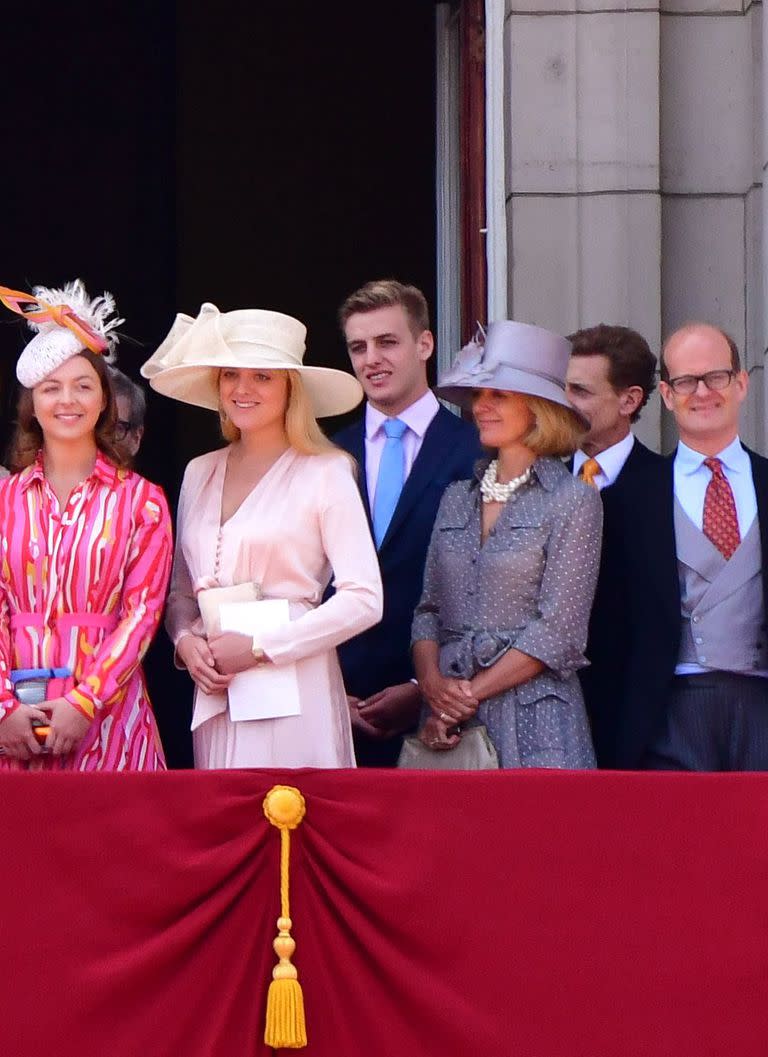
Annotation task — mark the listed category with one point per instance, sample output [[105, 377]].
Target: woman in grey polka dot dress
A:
[[500, 630]]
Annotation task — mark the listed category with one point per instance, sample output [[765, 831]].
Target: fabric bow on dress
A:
[[464, 656]]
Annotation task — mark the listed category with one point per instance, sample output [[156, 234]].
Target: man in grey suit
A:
[[697, 695]]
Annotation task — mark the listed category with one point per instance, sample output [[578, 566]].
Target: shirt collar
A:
[[104, 471], [733, 457], [611, 461], [417, 417]]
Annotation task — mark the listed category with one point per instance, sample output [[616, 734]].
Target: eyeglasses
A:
[[122, 429], [686, 384]]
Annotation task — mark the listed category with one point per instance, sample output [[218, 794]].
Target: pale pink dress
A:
[[302, 520]]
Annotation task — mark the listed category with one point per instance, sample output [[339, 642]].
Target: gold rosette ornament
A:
[[285, 1028]]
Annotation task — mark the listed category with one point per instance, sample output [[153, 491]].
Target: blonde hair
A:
[[555, 431], [302, 430]]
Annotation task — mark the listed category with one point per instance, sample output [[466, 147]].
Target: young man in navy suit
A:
[[409, 449], [611, 375]]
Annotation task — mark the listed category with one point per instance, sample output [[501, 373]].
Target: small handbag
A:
[[475, 752], [210, 600]]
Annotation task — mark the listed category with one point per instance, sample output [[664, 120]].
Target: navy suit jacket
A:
[[654, 602], [381, 656], [609, 641]]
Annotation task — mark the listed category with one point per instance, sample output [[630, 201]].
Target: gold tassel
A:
[[285, 808]]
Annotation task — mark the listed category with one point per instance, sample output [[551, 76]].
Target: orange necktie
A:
[[589, 471]]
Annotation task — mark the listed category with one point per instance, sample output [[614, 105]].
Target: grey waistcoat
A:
[[722, 609]]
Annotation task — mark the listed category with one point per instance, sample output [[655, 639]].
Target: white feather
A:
[[94, 311]]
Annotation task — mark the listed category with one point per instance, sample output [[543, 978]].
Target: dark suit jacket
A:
[[609, 642], [654, 602], [381, 656]]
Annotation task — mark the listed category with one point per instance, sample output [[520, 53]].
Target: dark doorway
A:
[[253, 155], [306, 153]]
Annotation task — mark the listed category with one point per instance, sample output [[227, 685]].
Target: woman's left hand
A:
[[68, 726], [232, 652], [437, 735]]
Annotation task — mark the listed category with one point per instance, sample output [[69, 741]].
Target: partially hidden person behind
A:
[[277, 508], [409, 448], [86, 554], [500, 631], [611, 376], [131, 403]]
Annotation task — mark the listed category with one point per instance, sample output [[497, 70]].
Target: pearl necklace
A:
[[493, 491]]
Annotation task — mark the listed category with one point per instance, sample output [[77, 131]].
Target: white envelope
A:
[[268, 691]]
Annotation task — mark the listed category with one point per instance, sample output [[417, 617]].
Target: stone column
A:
[[712, 97], [582, 181]]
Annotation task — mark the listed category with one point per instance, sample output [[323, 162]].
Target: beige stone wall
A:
[[634, 170]]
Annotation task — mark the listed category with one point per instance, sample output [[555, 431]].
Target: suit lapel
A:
[[653, 508], [760, 479], [432, 456], [356, 449], [633, 464]]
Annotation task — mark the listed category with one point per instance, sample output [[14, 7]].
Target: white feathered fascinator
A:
[[67, 322]]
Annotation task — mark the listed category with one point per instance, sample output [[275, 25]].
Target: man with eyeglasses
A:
[[131, 409], [698, 539]]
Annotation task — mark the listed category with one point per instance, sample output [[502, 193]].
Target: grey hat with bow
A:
[[515, 357]]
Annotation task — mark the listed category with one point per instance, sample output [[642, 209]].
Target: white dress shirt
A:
[[418, 417], [692, 478], [611, 461]]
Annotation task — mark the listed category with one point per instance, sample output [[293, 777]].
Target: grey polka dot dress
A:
[[529, 586]]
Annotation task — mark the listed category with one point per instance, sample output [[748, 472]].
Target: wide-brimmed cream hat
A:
[[186, 365], [515, 357]]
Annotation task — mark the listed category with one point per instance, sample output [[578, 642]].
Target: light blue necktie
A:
[[389, 483]]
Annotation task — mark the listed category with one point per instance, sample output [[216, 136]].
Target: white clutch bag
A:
[[475, 752], [211, 599]]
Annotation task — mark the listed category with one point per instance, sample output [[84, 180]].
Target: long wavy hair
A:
[[28, 437]]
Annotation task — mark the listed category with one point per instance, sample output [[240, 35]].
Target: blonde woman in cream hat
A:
[[500, 630], [278, 508]]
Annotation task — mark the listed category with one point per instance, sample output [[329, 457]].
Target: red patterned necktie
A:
[[721, 524]]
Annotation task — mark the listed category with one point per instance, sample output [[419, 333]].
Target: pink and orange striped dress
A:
[[83, 589]]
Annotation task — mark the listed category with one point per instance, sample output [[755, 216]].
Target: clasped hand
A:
[[387, 713], [452, 700], [68, 728], [212, 662]]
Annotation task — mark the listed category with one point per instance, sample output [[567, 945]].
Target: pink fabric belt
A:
[[65, 621]]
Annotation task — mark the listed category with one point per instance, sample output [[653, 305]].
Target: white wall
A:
[[634, 170]]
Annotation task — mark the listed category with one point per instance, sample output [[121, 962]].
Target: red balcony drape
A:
[[537, 914]]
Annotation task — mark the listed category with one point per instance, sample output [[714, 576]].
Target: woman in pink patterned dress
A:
[[84, 556]]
